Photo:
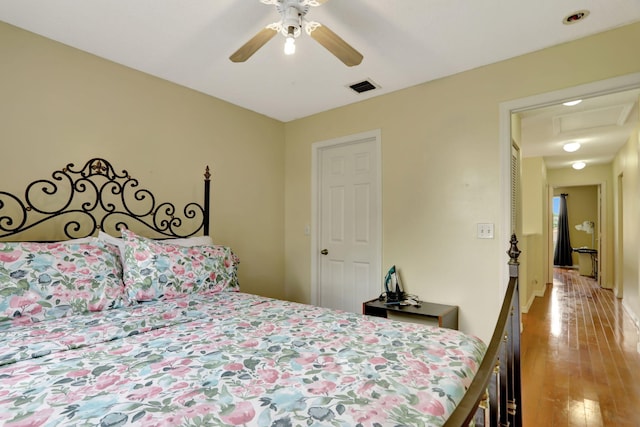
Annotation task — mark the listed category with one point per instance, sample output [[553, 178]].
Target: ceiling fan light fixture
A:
[[292, 13], [571, 147], [578, 165]]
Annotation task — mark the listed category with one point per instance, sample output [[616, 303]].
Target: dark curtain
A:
[[562, 254]]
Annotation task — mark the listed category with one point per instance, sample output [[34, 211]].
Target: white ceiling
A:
[[404, 42], [601, 125]]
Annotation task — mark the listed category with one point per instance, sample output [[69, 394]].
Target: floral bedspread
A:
[[232, 359]]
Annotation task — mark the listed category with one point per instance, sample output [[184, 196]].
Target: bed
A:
[[137, 318]]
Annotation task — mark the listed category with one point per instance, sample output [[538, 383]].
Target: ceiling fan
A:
[[292, 13]]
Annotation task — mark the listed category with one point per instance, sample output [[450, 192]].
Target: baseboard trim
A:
[[537, 293], [631, 314]]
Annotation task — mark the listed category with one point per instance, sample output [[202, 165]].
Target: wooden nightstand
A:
[[445, 316]]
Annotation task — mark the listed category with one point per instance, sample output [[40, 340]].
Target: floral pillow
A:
[[40, 281], [161, 270]]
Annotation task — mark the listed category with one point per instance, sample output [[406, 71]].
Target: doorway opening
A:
[[611, 237], [583, 226], [509, 129]]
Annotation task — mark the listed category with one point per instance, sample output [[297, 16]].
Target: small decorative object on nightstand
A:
[[446, 316]]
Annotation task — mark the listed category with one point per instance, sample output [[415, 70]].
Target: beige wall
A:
[[441, 170], [535, 214], [441, 157], [533, 194], [59, 105], [625, 177]]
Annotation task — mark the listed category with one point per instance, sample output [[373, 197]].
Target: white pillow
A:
[[81, 241], [187, 242], [191, 241], [110, 239]]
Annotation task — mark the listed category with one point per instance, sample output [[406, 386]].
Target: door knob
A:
[[324, 252]]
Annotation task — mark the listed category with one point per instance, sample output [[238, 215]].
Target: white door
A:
[[348, 249]]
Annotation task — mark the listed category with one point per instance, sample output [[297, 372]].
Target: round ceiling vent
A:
[[575, 17]]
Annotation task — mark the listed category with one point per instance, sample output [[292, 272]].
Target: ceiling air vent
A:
[[363, 86]]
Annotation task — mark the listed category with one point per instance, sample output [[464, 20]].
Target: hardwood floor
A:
[[580, 365]]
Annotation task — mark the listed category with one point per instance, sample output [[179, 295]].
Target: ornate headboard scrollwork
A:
[[96, 197]]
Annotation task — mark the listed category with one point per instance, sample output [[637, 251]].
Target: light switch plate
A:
[[485, 231]]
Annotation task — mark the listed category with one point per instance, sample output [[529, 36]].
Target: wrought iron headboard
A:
[[96, 197]]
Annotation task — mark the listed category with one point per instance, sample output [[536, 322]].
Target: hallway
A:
[[580, 365]]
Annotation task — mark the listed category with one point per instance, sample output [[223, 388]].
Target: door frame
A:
[[618, 250], [316, 150], [601, 87]]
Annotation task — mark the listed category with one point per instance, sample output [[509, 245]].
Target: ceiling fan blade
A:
[[252, 46], [334, 44]]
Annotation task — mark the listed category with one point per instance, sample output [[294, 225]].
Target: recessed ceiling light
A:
[[572, 103], [575, 17], [578, 165], [571, 147]]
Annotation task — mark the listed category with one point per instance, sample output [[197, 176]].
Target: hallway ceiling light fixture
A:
[[578, 165], [571, 147], [572, 103]]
